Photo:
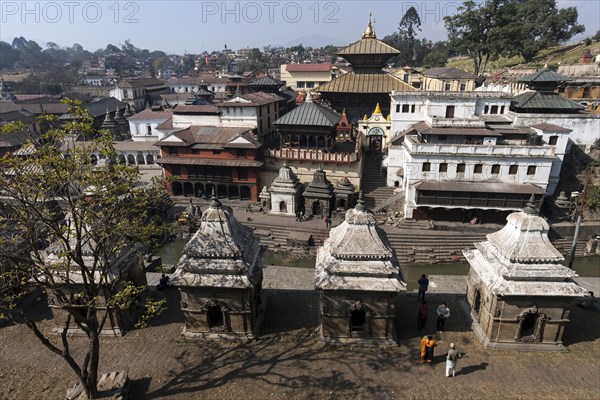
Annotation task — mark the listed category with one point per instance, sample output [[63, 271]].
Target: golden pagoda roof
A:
[[375, 82], [368, 45]]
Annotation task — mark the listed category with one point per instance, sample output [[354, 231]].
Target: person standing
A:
[[443, 313], [451, 360], [422, 314], [429, 348], [423, 347], [423, 285]]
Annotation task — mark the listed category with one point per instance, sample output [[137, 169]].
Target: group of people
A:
[[428, 343]]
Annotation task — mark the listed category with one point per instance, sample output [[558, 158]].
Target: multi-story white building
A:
[[461, 151], [136, 92], [142, 125]]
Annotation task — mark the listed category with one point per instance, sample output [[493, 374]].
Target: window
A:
[[426, 167], [495, 169], [442, 138], [149, 129], [512, 170], [243, 174], [460, 168], [553, 140], [463, 87], [241, 153], [450, 111], [397, 108], [494, 110], [172, 151], [486, 109], [443, 167], [405, 78], [502, 110], [310, 85], [301, 85], [216, 152], [405, 108], [447, 87], [412, 108], [478, 168], [531, 170]]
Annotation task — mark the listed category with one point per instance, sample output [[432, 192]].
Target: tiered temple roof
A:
[[358, 256], [519, 260], [223, 253]]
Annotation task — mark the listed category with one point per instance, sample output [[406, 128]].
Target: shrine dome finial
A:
[[377, 109], [369, 34]]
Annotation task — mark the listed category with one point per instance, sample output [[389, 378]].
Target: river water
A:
[[584, 266]]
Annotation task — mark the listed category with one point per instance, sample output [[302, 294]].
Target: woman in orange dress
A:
[[429, 347], [423, 347]]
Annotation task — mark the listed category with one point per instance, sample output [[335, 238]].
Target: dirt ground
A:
[[287, 362]]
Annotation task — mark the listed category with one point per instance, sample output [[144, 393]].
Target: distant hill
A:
[[553, 57]]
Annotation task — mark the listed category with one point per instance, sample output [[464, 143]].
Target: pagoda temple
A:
[[367, 84], [358, 277], [518, 290]]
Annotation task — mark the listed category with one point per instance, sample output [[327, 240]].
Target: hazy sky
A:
[[195, 26]]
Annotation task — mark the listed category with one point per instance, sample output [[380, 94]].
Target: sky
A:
[[178, 27]]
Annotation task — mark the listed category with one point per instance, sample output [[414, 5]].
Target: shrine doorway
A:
[[358, 318], [317, 209], [283, 207], [528, 325], [477, 301], [214, 318], [177, 189]]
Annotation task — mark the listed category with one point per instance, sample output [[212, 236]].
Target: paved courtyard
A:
[[287, 362]]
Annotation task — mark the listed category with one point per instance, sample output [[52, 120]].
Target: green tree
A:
[[88, 215], [471, 31], [409, 25], [529, 26]]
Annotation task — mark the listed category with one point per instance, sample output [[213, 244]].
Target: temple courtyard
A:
[[286, 361]]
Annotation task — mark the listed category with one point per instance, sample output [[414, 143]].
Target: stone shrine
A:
[[518, 290], [220, 276], [358, 277], [318, 195], [285, 192], [344, 194]]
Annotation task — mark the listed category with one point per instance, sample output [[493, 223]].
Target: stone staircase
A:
[[373, 182]]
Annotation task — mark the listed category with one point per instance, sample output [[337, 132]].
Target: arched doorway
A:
[[210, 189], [122, 159], [317, 209], [221, 191], [198, 189], [283, 207], [245, 193], [528, 325], [303, 142], [358, 319], [320, 142], [140, 159], [177, 189], [188, 189], [341, 203], [214, 318], [477, 301], [130, 159], [149, 159], [234, 193]]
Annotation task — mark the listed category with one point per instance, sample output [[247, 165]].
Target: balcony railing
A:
[[479, 149], [312, 155]]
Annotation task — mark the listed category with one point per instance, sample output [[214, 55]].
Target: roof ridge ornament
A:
[[360, 204], [214, 202], [369, 34], [531, 209]]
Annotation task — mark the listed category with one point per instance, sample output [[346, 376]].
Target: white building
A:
[[135, 92], [453, 150], [305, 76], [143, 124]]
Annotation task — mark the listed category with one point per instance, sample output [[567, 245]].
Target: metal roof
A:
[[481, 187], [368, 46], [177, 160], [371, 82], [544, 76], [148, 113], [307, 67], [310, 114], [551, 128], [544, 100], [424, 129], [449, 73], [265, 81]]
